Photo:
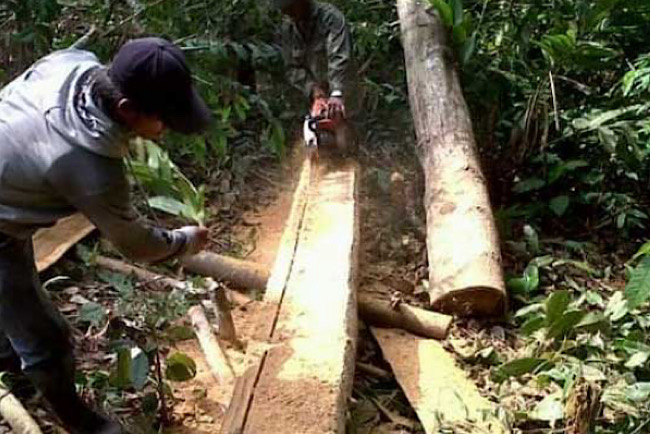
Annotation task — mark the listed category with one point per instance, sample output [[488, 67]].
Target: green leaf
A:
[[559, 205], [617, 307], [549, 409], [139, 368], [123, 284], [467, 49], [121, 376], [533, 324], [565, 324], [458, 11], [519, 367], [638, 392], [529, 184], [526, 284], [93, 313], [445, 12], [168, 205], [637, 290], [180, 367], [556, 305], [637, 360]]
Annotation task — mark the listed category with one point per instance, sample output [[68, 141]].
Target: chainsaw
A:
[[322, 132]]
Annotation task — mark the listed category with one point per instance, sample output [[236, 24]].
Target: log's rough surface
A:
[[302, 377], [462, 242]]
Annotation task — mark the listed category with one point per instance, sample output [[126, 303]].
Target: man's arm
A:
[[100, 191], [339, 51]]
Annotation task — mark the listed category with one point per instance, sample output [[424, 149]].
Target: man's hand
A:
[[196, 239], [335, 107]]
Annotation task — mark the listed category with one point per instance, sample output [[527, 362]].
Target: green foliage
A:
[[180, 367], [173, 192]]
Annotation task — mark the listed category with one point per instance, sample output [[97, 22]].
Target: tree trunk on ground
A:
[[239, 273], [462, 241], [412, 319]]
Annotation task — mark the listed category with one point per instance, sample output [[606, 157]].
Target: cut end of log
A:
[[479, 301]]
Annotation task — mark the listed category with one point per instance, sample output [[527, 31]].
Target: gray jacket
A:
[[59, 153]]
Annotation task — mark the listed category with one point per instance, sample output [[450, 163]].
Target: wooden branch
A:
[[412, 319], [15, 414], [465, 275], [138, 273], [215, 356], [373, 371], [239, 273]]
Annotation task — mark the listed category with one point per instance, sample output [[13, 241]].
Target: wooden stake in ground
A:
[[417, 321], [15, 414], [439, 391], [462, 242], [214, 354]]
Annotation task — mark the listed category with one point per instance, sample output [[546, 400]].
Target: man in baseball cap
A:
[[65, 127]]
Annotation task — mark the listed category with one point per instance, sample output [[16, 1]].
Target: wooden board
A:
[[302, 376], [52, 243], [435, 386]]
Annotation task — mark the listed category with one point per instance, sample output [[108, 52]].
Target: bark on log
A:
[[462, 242], [15, 414], [412, 319], [215, 356], [241, 274]]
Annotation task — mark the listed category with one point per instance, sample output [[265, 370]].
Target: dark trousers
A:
[[32, 328]]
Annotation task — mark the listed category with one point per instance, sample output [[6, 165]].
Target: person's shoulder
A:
[[70, 55], [329, 12]]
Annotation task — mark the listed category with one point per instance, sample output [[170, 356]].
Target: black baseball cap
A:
[[153, 73]]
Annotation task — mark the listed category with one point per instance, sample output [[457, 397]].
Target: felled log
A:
[[15, 414], [215, 356], [462, 242], [239, 273], [412, 319]]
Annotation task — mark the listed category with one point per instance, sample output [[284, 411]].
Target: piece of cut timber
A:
[[12, 411], [215, 355], [465, 275], [439, 391], [52, 243], [410, 318], [237, 272], [303, 379]]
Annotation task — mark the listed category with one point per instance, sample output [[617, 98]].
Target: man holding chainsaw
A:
[[317, 51], [65, 126]]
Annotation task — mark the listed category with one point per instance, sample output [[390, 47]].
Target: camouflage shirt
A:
[[318, 50]]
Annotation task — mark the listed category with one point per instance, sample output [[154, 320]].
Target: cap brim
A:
[[191, 116]]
